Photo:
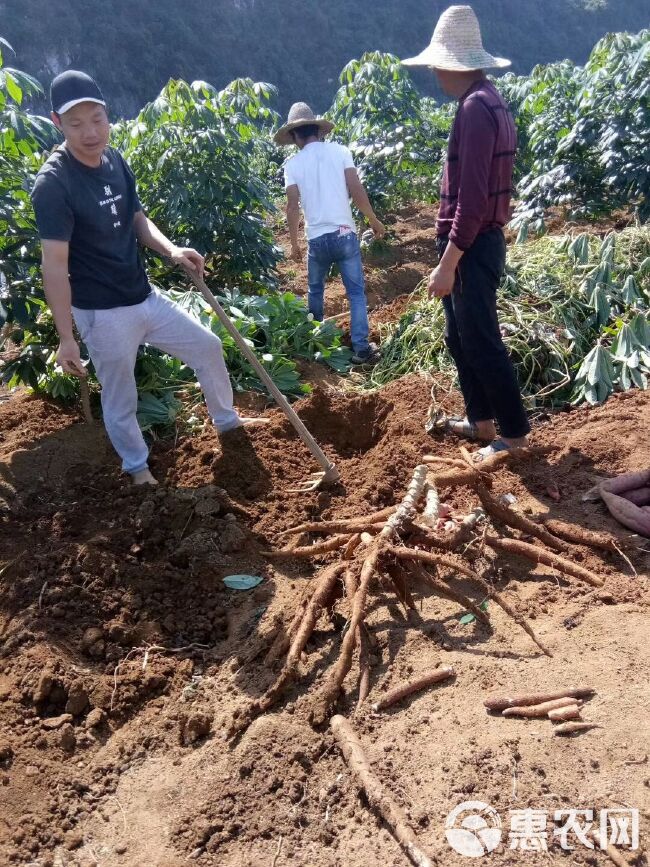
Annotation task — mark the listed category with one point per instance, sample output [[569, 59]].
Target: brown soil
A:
[[101, 583]]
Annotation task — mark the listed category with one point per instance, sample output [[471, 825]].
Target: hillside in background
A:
[[298, 45]]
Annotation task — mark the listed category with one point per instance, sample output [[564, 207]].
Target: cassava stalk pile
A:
[[401, 548]]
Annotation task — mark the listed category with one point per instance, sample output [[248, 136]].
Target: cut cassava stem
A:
[[510, 518], [449, 563], [500, 702], [415, 685], [377, 797], [536, 711], [404, 512], [548, 558]]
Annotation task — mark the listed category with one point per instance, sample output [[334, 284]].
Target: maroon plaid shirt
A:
[[477, 180]]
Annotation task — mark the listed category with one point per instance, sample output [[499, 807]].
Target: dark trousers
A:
[[485, 371]]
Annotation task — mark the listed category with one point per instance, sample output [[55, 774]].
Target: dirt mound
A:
[[123, 655]]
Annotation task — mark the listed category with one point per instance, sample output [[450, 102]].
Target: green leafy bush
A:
[[23, 139], [196, 155], [396, 136], [574, 316], [585, 132]]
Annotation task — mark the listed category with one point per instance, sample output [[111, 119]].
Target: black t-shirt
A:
[[93, 209]]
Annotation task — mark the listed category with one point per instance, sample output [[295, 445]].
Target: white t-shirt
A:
[[319, 172]]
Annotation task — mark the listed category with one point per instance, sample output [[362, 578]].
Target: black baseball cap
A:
[[72, 87]]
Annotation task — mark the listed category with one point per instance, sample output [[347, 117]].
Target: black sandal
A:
[[439, 423]]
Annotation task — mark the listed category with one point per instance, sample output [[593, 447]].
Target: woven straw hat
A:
[[457, 45], [300, 114]]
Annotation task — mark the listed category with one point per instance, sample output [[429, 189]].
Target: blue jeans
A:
[[346, 252]]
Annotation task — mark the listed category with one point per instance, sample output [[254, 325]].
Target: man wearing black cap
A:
[[90, 221]]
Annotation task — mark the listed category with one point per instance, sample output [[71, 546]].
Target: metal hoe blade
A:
[[316, 481]]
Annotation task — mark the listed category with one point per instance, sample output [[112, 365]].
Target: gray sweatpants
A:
[[113, 337]]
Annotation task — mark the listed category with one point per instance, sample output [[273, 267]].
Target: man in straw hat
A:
[[321, 177], [91, 222], [474, 206]]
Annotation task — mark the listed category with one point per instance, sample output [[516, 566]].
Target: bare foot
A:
[[144, 477], [486, 430]]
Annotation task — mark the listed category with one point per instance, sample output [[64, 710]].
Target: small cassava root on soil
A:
[[416, 685], [501, 702], [537, 711], [571, 728], [562, 714]]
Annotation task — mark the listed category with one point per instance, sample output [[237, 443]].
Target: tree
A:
[[197, 155], [396, 136]]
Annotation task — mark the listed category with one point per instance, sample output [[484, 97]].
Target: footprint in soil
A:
[[239, 469]]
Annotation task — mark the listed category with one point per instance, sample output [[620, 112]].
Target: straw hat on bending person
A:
[[456, 44], [300, 114]]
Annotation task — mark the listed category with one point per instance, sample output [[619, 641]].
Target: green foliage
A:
[[585, 132], [23, 138], [194, 152], [396, 137], [279, 329], [573, 312], [157, 412]]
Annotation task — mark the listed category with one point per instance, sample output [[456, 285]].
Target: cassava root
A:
[[500, 702], [377, 796], [416, 685], [539, 555], [562, 714], [537, 711]]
